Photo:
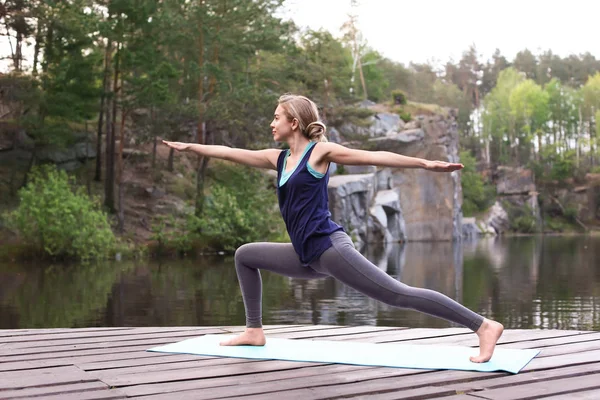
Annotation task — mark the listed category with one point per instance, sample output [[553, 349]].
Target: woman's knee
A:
[[244, 253]]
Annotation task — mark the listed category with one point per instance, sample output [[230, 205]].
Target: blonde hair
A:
[[307, 114]]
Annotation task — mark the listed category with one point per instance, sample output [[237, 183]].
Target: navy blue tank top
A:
[[304, 205]]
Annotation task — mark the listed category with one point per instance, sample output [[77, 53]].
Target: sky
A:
[[439, 30]]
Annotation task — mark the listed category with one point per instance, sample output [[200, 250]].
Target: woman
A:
[[321, 248]]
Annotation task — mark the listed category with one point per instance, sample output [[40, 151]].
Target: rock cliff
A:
[[385, 205]]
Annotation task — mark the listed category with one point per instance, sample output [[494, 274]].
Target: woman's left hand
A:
[[442, 166]]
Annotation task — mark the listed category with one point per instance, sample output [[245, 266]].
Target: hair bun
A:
[[316, 131]]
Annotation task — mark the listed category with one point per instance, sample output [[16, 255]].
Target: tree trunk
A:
[[326, 98], [154, 146], [362, 78], [539, 152], [202, 161], [36, 50], [578, 137], [154, 138], [88, 183], [170, 162], [121, 207], [12, 51], [48, 48], [109, 200], [19, 52], [98, 175], [593, 145], [29, 167]]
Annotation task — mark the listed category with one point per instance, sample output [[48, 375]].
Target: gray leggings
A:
[[343, 262]]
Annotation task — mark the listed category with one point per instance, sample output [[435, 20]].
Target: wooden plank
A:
[[509, 336], [375, 379], [120, 330], [33, 340], [544, 343], [139, 361], [327, 391], [570, 348], [301, 373], [95, 395], [285, 388], [407, 334], [543, 389], [32, 332], [526, 378], [167, 367], [54, 389], [281, 328], [427, 392], [139, 349], [41, 377], [584, 395], [563, 360], [7, 353], [25, 349], [203, 373], [102, 357], [124, 339], [325, 333]]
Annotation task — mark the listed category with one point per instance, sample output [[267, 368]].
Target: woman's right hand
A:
[[177, 145]]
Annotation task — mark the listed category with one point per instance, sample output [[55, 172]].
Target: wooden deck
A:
[[111, 363]]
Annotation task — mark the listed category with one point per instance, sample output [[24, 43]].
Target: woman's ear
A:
[[295, 124]]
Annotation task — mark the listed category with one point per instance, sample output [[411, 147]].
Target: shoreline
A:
[[14, 251]]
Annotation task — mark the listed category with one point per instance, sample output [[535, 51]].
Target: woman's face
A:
[[281, 127]]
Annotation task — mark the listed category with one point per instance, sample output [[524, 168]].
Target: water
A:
[[525, 282]]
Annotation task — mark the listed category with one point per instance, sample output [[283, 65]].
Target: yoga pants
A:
[[343, 262]]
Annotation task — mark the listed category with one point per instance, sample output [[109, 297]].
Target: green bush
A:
[[524, 224], [555, 165], [59, 221], [225, 224], [555, 225], [477, 195], [405, 116], [564, 166], [359, 116], [399, 97], [240, 207], [571, 213]]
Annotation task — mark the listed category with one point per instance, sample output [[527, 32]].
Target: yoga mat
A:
[[346, 352]]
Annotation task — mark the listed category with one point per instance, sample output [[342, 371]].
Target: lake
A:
[[546, 282]]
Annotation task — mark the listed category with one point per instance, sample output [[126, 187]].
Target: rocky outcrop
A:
[[497, 218], [385, 205], [518, 194], [517, 197], [19, 152], [380, 124], [432, 202], [472, 228], [584, 198]]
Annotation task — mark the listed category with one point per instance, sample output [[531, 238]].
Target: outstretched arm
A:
[[255, 158], [343, 155]]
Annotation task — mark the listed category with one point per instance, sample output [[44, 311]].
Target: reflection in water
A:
[[526, 282]]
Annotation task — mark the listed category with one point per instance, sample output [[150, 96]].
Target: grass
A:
[[414, 108]]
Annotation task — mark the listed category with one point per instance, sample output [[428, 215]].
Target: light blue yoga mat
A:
[[346, 352]]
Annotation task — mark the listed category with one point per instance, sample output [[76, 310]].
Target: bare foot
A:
[[489, 332], [251, 337]]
